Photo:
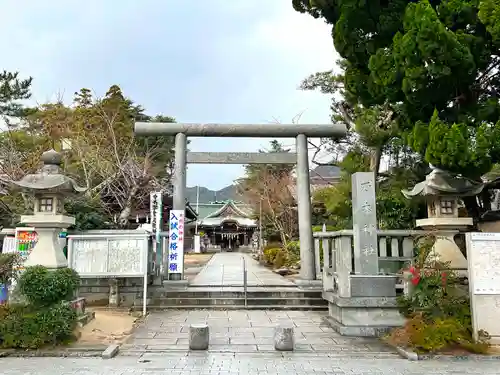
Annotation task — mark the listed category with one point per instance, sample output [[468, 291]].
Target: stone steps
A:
[[233, 307], [234, 299], [239, 285], [240, 301], [215, 293]]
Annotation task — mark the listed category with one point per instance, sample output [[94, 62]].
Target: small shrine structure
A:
[[442, 192], [227, 225], [48, 187]]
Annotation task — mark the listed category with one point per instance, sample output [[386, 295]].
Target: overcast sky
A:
[[229, 61]]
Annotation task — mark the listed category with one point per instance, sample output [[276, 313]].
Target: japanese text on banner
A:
[[176, 241], [156, 209]]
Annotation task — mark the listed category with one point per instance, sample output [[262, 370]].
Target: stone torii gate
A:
[[298, 131]]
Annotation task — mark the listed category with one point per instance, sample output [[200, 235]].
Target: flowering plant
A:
[[415, 275], [429, 287], [436, 306]]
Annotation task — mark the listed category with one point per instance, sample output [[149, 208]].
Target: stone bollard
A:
[[114, 294], [199, 336], [284, 338]]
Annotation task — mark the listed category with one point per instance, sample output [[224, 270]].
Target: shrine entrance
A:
[[308, 274], [229, 227]]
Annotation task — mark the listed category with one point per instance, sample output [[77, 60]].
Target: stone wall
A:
[[362, 316], [130, 291]]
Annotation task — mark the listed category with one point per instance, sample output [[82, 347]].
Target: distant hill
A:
[[207, 195], [319, 176]]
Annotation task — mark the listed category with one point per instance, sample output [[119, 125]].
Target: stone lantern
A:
[[49, 187], [442, 192]]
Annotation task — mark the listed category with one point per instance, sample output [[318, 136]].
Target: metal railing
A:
[[245, 280]]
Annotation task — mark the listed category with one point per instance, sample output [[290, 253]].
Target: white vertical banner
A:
[[156, 209], [176, 241], [156, 227]]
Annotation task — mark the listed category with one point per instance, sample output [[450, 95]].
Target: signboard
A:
[[483, 257], [26, 239], [176, 241], [9, 244], [110, 256]]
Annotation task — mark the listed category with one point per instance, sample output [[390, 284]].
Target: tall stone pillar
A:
[[307, 260], [179, 182], [364, 223], [179, 177]]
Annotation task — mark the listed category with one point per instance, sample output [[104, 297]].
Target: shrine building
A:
[[226, 225]]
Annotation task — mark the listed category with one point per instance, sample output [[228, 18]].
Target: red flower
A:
[[415, 280], [415, 272], [443, 278]]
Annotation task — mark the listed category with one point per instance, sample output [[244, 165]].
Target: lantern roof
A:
[[49, 178], [443, 183]]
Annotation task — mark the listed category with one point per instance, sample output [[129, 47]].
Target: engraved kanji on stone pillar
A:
[[364, 221]]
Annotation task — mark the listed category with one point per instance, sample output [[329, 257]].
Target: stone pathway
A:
[[226, 270], [242, 331], [244, 364]]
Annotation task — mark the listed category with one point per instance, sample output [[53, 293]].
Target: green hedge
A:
[[44, 288], [28, 327], [46, 318]]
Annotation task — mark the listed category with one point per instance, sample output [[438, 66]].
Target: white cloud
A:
[[298, 34], [249, 58]]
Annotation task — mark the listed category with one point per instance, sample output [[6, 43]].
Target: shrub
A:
[[329, 228], [280, 259], [43, 288], [437, 334], [29, 327], [293, 252], [270, 254], [273, 245], [438, 310]]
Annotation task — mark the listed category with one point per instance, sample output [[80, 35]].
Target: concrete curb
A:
[[408, 354], [413, 356], [111, 351], [105, 352], [62, 352]]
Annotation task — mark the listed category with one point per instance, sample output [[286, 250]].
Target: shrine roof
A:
[[205, 209], [218, 212], [217, 221], [215, 209]]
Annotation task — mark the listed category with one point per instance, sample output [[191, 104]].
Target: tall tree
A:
[[16, 148], [266, 188], [101, 151], [433, 63], [13, 90], [371, 128]]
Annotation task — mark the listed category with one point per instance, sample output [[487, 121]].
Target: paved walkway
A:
[[248, 331], [226, 269], [244, 364]]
